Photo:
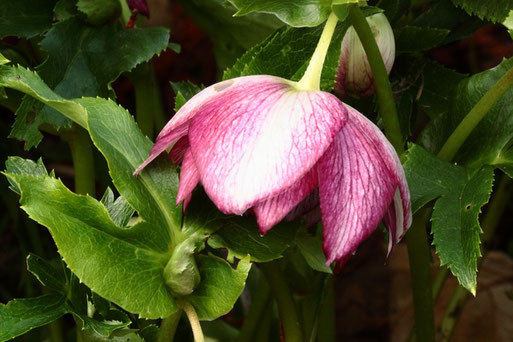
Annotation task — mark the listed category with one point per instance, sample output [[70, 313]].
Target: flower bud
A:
[[354, 75]]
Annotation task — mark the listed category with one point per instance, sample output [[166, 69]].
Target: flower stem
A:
[[83, 160], [259, 303], [168, 327], [475, 115], [419, 255], [286, 306], [311, 79], [386, 101], [193, 320]]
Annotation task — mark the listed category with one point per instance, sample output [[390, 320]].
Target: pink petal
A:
[[258, 139], [271, 211], [178, 126], [189, 178], [178, 150], [358, 178]]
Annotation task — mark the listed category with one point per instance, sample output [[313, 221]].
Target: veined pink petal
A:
[[358, 178], [254, 141], [189, 178], [178, 150], [271, 211], [178, 126]]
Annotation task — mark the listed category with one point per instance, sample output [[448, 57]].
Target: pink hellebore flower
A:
[[140, 6], [259, 143], [354, 76]]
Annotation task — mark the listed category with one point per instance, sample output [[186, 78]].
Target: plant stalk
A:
[[193, 320], [259, 304], [311, 79], [386, 101], [419, 256], [83, 160], [168, 327], [286, 306], [476, 114]]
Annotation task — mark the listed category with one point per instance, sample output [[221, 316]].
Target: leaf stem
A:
[[83, 160], [476, 114], [286, 306], [386, 101], [419, 256], [259, 303], [168, 327], [193, 320], [311, 79]]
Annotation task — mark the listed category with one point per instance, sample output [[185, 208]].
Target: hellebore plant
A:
[[264, 144], [354, 76]]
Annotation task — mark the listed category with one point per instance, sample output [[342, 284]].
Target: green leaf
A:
[[231, 36], [495, 11], [98, 12], [184, 92], [415, 38], [83, 61], [287, 53], [241, 236], [459, 193], [504, 160], [311, 249], [299, 13], [220, 286], [25, 18], [22, 315], [3, 60], [120, 211], [22, 166], [493, 133], [46, 273], [91, 243]]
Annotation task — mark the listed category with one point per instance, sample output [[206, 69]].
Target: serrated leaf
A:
[[287, 53], [184, 92], [495, 11], [25, 18], [460, 194], [415, 38], [22, 166], [91, 243], [299, 13], [493, 133], [83, 61], [120, 211], [98, 12], [214, 297], [504, 160], [46, 273], [22, 315]]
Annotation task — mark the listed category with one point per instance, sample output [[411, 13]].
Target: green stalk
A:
[[259, 303], [83, 160], [193, 320], [326, 320], [382, 83], [168, 326], [476, 114], [286, 306], [419, 255]]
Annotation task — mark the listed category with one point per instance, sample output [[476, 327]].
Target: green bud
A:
[[181, 273]]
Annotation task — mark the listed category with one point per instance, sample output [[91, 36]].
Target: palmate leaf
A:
[[490, 140], [83, 61], [495, 11], [297, 13], [460, 194]]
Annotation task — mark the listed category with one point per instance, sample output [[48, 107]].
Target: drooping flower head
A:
[[354, 77], [264, 144]]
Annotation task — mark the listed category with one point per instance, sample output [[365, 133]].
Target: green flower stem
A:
[[168, 327], [193, 320], [264, 326], [419, 255], [470, 121], [83, 160], [382, 83], [311, 79], [261, 300], [326, 320], [147, 98], [439, 281], [286, 306], [496, 207]]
